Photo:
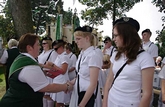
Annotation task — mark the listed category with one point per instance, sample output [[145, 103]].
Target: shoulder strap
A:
[[78, 87], [71, 55], [119, 71], [150, 44], [48, 56], [112, 51]]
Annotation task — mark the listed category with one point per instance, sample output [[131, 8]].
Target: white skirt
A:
[[50, 81]]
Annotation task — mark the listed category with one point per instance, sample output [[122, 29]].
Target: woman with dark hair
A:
[[72, 63], [60, 64], [131, 68], [27, 80]]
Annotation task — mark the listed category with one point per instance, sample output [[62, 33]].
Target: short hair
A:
[[69, 47], [27, 39], [58, 43], [107, 39], [147, 30], [12, 42]]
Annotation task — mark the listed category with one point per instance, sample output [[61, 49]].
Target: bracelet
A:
[[67, 86]]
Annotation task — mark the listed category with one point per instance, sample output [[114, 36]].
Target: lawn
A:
[[2, 81]]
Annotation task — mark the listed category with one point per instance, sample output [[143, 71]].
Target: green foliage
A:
[[67, 16], [97, 10], [7, 30], [161, 40], [161, 34]]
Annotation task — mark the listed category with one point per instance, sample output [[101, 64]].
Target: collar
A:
[[27, 54], [87, 50]]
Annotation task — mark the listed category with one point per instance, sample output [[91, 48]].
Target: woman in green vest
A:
[[27, 82]]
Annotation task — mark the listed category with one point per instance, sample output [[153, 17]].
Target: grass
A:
[[2, 81]]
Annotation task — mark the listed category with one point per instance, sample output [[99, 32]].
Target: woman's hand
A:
[[49, 65], [73, 81], [69, 87]]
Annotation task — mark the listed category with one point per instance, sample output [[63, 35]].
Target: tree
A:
[[97, 10], [7, 30], [161, 34], [22, 16]]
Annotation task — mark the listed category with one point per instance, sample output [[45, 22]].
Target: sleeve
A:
[[162, 73], [154, 50], [95, 61], [163, 61], [112, 59], [146, 60], [64, 59], [74, 59], [4, 57], [28, 75], [53, 56]]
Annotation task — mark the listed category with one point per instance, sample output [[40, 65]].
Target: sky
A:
[[144, 12]]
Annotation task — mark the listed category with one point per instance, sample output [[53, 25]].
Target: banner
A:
[[58, 27], [75, 24]]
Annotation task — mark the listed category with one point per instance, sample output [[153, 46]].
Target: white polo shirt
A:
[[127, 86], [33, 76], [151, 48]]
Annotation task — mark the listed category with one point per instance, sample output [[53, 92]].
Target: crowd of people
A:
[[119, 75]]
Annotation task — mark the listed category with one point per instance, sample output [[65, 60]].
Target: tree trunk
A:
[[22, 16]]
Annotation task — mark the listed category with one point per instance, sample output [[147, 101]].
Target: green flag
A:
[[59, 27], [75, 23]]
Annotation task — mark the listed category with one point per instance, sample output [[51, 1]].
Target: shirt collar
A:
[[27, 54]]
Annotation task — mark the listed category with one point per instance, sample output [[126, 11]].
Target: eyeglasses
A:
[[44, 43], [56, 48], [105, 42]]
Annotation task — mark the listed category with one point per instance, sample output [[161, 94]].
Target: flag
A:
[[59, 27], [75, 23]]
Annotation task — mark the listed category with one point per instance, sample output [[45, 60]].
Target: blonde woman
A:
[[88, 65], [48, 54]]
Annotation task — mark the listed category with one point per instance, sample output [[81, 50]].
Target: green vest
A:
[[20, 94]]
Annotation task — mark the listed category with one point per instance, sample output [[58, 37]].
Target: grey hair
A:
[[12, 42]]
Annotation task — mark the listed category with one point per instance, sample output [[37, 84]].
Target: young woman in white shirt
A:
[[48, 54], [138, 72], [88, 66], [61, 64]]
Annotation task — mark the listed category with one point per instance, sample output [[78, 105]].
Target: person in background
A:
[[149, 46], [72, 62], [163, 62], [61, 63], [108, 48], [48, 54], [158, 63], [88, 65], [136, 75], [8, 57], [27, 80], [161, 101]]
